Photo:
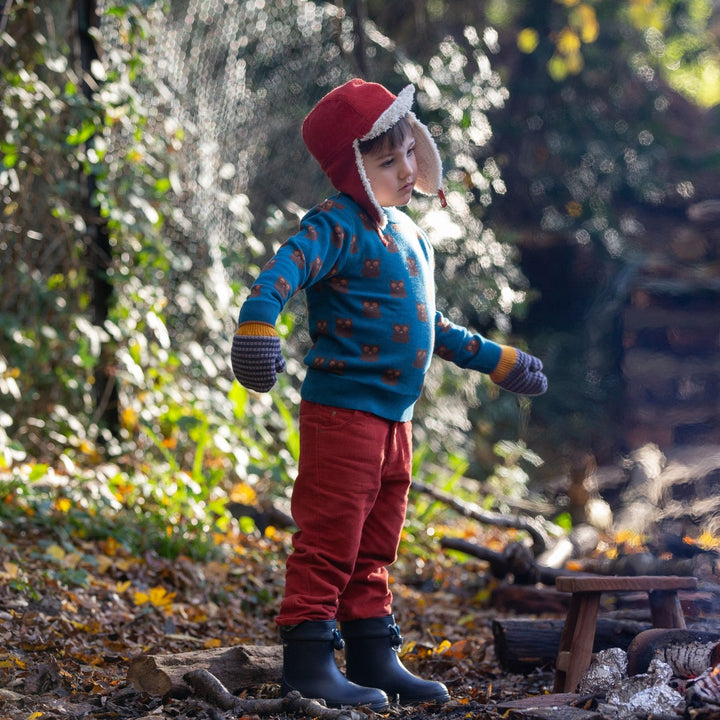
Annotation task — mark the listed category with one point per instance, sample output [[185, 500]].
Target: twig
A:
[[208, 687], [530, 525]]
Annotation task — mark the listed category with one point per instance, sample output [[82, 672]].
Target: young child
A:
[[367, 271]]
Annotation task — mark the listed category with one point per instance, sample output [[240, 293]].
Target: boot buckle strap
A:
[[338, 642], [395, 637]]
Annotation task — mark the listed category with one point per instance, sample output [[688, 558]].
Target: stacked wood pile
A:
[[671, 333]]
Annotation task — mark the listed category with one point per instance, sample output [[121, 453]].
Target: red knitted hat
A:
[[358, 111]]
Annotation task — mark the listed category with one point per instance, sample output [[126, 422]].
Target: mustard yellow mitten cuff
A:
[[508, 358], [258, 329]]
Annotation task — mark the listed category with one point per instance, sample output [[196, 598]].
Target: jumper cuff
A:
[[508, 358], [257, 329]]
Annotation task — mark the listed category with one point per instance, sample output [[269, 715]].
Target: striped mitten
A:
[[256, 356]]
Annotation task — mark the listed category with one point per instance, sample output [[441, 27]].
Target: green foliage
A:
[[181, 145]]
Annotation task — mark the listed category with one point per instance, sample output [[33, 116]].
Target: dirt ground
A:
[[74, 613]]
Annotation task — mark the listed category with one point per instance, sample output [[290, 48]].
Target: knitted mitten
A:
[[519, 372], [256, 356]]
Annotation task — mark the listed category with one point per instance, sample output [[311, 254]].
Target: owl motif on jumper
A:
[[315, 267], [401, 333], [329, 204], [391, 376], [389, 243], [370, 353], [371, 268], [344, 327], [340, 284], [283, 287], [298, 257], [445, 352], [371, 309], [338, 235], [397, 289], [336, 366]]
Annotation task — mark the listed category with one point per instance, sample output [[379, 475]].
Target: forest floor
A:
[[74, 612]]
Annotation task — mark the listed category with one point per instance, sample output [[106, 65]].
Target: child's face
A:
[[392, 172]]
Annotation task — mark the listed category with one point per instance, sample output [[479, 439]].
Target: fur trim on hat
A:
[[400, 107], [358, 111]]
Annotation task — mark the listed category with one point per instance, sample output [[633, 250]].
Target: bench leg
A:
[[665, 609], [576, 641]]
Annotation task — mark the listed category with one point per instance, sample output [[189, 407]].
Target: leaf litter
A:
[[75, 612]]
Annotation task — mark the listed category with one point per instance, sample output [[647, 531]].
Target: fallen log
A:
[[237, 668], [524, 645], [688, 652]]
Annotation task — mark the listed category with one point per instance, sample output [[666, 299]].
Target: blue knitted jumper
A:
[[371, 309]]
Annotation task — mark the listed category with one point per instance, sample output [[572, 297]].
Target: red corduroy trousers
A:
[[349, 502]]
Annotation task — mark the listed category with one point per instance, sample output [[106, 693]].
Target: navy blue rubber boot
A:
[[371, 654], [309, 667]]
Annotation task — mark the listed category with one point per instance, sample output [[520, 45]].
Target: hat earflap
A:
[[429, 179]]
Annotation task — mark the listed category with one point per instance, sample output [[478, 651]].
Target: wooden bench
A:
[[578, 635]]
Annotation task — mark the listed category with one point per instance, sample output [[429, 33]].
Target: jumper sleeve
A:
[[458, 345], [307, 257]]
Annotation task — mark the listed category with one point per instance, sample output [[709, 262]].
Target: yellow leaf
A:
[[443, 646], [160, 597], [110, 546], [104, 563], [13, 662], [55, 552], [568, 41], [121, 587], [574, 63], [128, 418], [243, 493], [124, 564], [35, 715], [557, 68], [71, 560], [585, 19], [574, 209], [11, 570], [212, 643], [527, 40], [62, 505], [141, 598]]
